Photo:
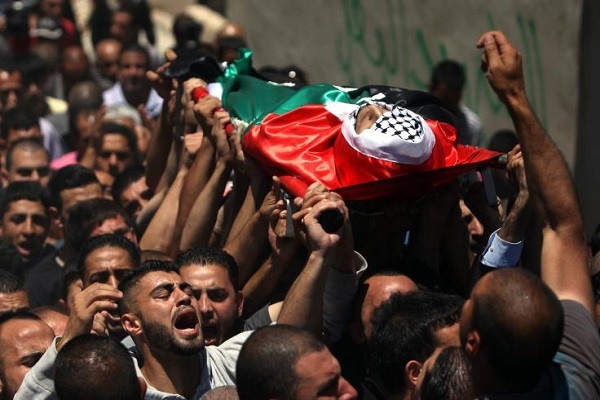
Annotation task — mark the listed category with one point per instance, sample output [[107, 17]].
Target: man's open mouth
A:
[[210, 333], [186, 323]]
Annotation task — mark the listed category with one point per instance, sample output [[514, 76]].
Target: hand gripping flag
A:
[[309, 135]]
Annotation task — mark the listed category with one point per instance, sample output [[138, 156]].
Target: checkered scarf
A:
[[397, 121]]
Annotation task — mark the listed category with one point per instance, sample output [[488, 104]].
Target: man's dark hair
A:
[[266, 364], [450, 377], [108, 240], [95, 367], [129, 176], [449, 73], [133, 277], [18, 118], [86, 216], [23, 190], [520, 323], [405, 327], [27, 144], [9, 282], [202, 256], [69, 177]]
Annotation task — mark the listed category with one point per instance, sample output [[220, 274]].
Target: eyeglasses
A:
[[27, 172], [121, 155]]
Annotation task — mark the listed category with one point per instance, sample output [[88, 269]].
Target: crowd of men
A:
[[145, 255]]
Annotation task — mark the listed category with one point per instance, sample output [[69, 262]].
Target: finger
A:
[[170, 55], [300, 215], [152, 76], [276, 187], [502, 42], [313, 200], [316, 187], [298, 202], [102, 305], [99, 325], [490, 48]]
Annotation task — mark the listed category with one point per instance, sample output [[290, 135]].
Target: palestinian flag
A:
[[309, 135]]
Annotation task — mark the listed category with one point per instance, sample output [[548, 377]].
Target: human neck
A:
[[171, 373]]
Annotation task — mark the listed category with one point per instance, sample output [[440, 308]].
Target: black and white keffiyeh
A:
[[401, 123], [399, 135]]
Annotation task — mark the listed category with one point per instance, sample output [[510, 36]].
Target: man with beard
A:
[[162, 316], [159, 311], [132, 86]]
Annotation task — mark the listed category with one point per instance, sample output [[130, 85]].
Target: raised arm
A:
[[203, 214], [303, 305], [565, 264], [162, 136]]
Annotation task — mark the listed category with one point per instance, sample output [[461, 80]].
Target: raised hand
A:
[[502, 65], [92, 300]]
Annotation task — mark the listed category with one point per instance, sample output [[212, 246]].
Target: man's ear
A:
[[413, 369], [131, 324], [473, 343], [240, 303]]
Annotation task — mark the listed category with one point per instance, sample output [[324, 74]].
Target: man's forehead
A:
[[210, 275], [80, 193], [157, 278], [25, 154], [109, 253], [26, 206], [20, 331]]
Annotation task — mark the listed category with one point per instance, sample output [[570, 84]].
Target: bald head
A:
[[85, 92], [377, 289], [75, 65], [519, 321], [231, 29], [107, 58]]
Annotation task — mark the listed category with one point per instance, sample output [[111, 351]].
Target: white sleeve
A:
[[340, 290]]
